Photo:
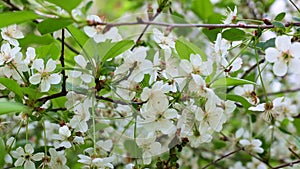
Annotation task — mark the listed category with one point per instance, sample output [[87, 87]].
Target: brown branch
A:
[[281, 92], [252, 67], [179, 25], [294, 153], [118, 101], [287, 164], [64, 78], [222, 157]]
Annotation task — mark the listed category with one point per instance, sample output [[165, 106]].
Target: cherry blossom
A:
[[44, 75], [11, 34], [25, 157], [253, 145]]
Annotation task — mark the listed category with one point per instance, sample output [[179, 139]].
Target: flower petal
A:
[[50, 66], [54, 78], [272, 54], [35, 79], [79, 59], [29, 149], [45, 85], [38, 64], [280, 68], [283, 43], [29, 165], [294, 66]]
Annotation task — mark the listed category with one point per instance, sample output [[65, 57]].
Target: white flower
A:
[[91, 161], [44, 75], [150, 148], [96, 32], [86, 77], [286, 54], [7, 53], [165, 42], [252, 145], [11, 33], [58, 159], [105, 145], [136, 63], [196, 65], [30, 55], [231, 16], [25, 157], [248, 92], [82, 115], [63, 137]]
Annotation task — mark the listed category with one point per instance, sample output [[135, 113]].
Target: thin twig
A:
[[252, 67], [181, 25], [293, 3], [287, 164], [222, 157], [282, 91], [118, 101], [293, 152]]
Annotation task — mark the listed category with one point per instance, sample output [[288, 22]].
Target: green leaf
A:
[[9, 18], [202, 8], [53, 24], [11, 107], [233, 34], [231, 81], [267, 44], [280, 16], [33, 94], [67, 5], [30, 39], [80, 37], [3, 152], [133, 149], [117, 49], [12, 85], [48, 51], [185, 48], [239, 99], [278, 24]]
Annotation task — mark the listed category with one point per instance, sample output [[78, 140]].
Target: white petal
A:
[[260, 107], [50, 66], [283, 43], [79, 59], [19, 162], [272, 54], [244, 142], [86, 78], [186, 66], [35, 79], [75, 73], [295, 50], [256, 142], [29, 165], [54, 78], [45, 85], [280, 68], [38, 156], [99, 38], [29, 148], [90, 31], [38, 64], [294, 66]]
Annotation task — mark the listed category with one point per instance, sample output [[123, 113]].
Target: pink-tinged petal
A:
[[29, 149], [54, 78], [79, 59], [90, 31], [50, 66], [29, 165], [280, 68], [45, 85], [35, 79], [294, 66], [19, 162], [38, 156], [283, 43], [38, 64], [295, 50], [272, 55]]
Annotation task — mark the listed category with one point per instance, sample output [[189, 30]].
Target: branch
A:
[[283, 91], [287, 164], [179, 25], [118, 101], [222, 157], [64, 78]]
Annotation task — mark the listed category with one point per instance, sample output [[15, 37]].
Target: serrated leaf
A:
[[12, 107], [9, 18], [278, 24], [132, 148], [53, 24], [280, 16], [239, 99], [3, 152], [231, 81], [233, 34], [66, 5], [202, 8], [117, 49], [12, 85], [185, 48]]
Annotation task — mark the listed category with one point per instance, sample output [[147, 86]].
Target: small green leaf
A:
[[53, 24], [185, 48], [9, 18], [117, 49], [233, 34], [278, 24], [12, 85], [202, 8], [3, 152], [133, 149], [296, 18], [33, 94], [68, 6], [280, 16], [267, 44], [80, 37], [11, 107], [239, 99], [231, 81]]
